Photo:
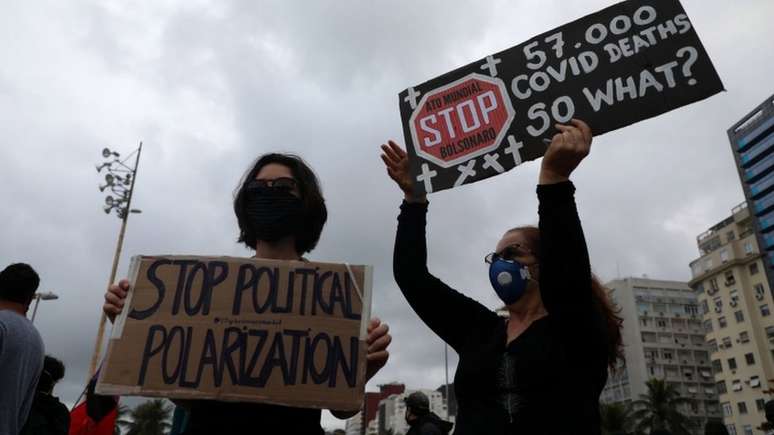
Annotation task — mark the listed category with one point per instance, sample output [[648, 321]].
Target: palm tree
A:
[[121, 421], [616, 418], [657, 409], [150, 418]]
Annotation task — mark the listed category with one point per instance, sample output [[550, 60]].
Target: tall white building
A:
[[664, 339], [736, 302]]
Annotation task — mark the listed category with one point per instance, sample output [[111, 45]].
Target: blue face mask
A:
[[509, 279]]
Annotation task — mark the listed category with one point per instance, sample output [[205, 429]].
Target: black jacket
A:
[[48, 416], [430, 424], [548, 380]]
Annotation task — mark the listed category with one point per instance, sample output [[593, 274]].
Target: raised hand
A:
[[397, 163], [114, 299], [567, 149]]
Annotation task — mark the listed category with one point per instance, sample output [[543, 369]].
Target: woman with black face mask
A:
[[281, 213], [541, 370]]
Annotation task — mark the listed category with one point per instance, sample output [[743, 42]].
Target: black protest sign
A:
[[623, 64], [282, 332]]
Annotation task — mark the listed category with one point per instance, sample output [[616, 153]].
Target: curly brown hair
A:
[[599, 294]]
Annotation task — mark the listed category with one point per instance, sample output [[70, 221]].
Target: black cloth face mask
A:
[[272, 213]]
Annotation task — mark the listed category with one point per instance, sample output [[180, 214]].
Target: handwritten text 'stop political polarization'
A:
[[628, 62], [282, 332]]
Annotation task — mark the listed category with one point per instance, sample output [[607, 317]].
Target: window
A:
[[753, 269], [704, 307], [736, 385], [748, 248], [742, 407], [747, 429], [765, 310], [750, 358], [661, 323], [727, 410], [721, 387], [755, 381], [713, 345], [770, 332], [760, 292], [696, 269], [708, 325], [718, 304], [717, 367], [708, 264], [667, 355], [713, 283], [734, 296], [744, 337], [732, 364], [739, 316], [759, 404], [731, 428], [722, 322], [727, 342], [730, 278], [724, 255], [730, 236]]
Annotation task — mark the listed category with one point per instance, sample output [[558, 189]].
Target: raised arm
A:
[[450, 314], [565, 271]]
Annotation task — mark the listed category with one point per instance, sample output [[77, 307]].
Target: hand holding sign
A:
[[567, 149], [115, 298]]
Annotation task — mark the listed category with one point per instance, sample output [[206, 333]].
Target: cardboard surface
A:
[[236, 329]]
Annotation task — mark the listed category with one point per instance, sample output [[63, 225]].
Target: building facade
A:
[[664, 338], [735, 300], [752, 143]]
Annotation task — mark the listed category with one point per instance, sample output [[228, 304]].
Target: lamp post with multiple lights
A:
[[119, 180]]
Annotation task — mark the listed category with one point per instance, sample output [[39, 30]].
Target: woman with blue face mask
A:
[[541, 370]]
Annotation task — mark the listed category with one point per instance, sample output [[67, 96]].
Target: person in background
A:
[[421, 420], [21, 348], [48, 416], [281, 212]]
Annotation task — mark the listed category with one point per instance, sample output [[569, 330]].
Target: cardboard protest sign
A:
[[628, 62], [281, 332]]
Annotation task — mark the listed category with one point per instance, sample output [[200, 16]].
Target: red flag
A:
[[96, 415], [83, 424]]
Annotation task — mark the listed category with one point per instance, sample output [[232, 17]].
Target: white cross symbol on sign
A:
[[465, 172], [411, 98], [426, 177], [490, 161], [491, 65], [514, 148]]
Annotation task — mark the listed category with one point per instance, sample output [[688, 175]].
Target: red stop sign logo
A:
[[462, 120]]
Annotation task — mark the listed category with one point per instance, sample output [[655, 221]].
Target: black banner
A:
[[628, 62]]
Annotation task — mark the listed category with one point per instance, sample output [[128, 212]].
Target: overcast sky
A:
[[208, 86]]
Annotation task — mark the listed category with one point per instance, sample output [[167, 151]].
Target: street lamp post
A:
[[120, 180], [50, 296]]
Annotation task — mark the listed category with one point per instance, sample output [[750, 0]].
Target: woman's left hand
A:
[[567, 149], [378, 340]]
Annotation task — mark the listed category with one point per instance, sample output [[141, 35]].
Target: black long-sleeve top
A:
[[546, 381]]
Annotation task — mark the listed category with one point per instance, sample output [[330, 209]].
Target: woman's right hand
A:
[[114, 299], [398, 168]]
